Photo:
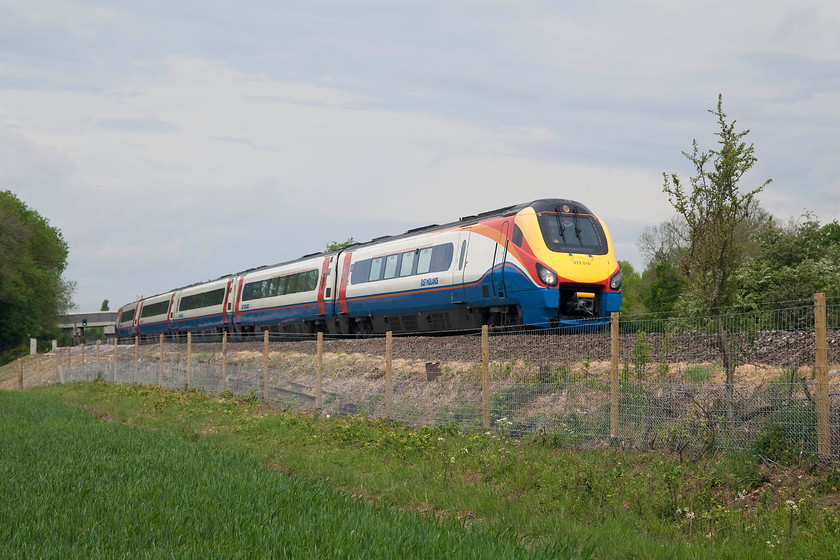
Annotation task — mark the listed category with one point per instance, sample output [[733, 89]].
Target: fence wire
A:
[[690, 384]]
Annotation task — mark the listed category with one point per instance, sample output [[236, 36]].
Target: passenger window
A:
[[281, 286], [375, 269], [441, 257], [407, 263], [391, 266], [424, 260]]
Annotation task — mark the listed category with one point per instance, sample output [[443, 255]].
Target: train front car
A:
[[572, 277]]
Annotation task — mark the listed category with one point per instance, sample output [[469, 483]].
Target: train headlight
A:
[[548, 276], [615, 281]]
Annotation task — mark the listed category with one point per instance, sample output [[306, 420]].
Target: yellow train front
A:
[[558, 265]]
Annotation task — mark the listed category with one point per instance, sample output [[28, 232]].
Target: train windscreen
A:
[[572, 232]]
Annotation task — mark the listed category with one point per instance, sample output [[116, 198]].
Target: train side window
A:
[[463, 253], [390, 266], [312, 280], [360, 271], [407, 265], [424, 260], [375, 269], [441, 257], [291, 284], [281, 285], [517, 236]]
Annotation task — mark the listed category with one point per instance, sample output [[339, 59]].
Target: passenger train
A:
[[547, 263]]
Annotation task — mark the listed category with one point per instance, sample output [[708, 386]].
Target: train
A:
[[546, 263]]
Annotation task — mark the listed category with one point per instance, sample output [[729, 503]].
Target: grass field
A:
[[146, 472]]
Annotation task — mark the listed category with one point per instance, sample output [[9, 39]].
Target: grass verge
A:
[[600, 503]]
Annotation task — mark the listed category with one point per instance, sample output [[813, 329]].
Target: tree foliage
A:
[[335, 245], [33, 256], [714, 211], [794, 262]]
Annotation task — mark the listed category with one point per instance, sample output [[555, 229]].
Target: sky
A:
[[174, 142]]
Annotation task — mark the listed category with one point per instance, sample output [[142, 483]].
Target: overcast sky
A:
[[174, 142]]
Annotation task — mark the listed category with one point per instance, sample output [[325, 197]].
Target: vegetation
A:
[[335, 245], [721, 249], [33, 256], [578, 503], [75, 487]]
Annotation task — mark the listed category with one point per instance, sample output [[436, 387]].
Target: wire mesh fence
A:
[[691, 384]]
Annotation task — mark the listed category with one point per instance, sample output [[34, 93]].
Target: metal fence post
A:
[[821, 343], [485, 377]]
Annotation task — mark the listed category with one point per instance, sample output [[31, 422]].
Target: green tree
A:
[[662, 287], [714, 211], [335, 245], [104, 306], [33, 256], [631, 285], [794, 262]]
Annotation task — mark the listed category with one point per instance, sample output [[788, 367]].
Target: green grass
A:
[[75, 487], [599, 503]]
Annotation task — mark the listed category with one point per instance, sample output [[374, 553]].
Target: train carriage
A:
[[201, 307], [290, 296]]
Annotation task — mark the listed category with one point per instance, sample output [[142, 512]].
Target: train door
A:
[[499, 261], [342, 289], [325, 288], [233, 302], [136, 321], [458, 293]]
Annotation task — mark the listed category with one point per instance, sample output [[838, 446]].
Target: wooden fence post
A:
[[97, 352], [20, 373], [58, 365], [189, 361], [160, 363], [116, 356], [224, 361], [389, 380], [136, 357], [319, 372], [823, 433], [265, 365], [485, 377], [614, 375]]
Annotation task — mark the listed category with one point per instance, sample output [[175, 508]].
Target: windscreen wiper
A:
[[577, 225], [560, 222]]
